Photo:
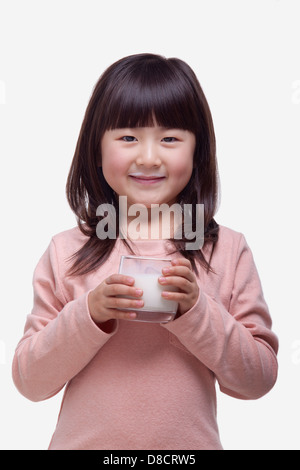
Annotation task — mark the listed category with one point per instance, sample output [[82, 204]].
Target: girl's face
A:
[[149, 165]]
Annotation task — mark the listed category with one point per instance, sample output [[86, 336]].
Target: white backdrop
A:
[[246, 55]]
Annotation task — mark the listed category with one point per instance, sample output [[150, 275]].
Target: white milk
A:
[[152, 290], [146, 272]]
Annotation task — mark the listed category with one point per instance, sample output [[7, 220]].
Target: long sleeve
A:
[[235, 343], [161, 375], [60, 338]]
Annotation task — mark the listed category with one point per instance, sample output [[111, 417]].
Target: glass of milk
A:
[[146, 272]]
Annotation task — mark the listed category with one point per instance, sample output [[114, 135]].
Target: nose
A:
[[148, 155]]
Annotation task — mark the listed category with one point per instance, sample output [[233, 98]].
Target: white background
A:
[[246, 56]]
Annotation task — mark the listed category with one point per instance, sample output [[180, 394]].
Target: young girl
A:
[[148, 135]]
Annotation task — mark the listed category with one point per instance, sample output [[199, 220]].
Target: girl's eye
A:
[[128, 138], [169, 139]]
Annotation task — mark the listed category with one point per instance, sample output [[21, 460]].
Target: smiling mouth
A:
[[146, 179]]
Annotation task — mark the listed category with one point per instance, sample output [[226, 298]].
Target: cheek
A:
[[112, 165], [183, 167]]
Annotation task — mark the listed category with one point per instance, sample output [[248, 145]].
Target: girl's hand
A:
[[180, 275], [103, 301]]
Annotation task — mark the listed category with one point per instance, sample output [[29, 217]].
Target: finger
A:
[[122, 303], [121, 289], [175, 296], [181, 271], [181, 262], [177, 281], [120, 279]]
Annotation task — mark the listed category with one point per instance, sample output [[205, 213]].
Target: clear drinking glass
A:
[[146, 272]]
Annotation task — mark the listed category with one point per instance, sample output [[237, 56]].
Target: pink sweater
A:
[[145, 386]]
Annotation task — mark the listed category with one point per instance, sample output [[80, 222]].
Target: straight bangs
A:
[[152, 92]]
